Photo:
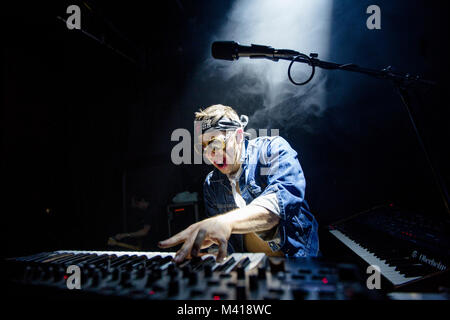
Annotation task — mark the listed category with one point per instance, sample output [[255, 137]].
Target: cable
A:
[[310, 62]]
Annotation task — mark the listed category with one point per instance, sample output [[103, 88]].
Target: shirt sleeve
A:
[[268, 201], [284, 176]]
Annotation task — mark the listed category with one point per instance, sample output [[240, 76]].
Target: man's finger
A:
[[223, 244], [173, 241], [186, 248], [198, 242], [207, 244]]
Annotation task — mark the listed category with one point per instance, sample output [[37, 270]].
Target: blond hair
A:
[[215, 113]]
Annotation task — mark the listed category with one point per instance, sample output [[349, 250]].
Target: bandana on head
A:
[[223, 124]]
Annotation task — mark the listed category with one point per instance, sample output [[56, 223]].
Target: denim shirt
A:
[[269, 165]]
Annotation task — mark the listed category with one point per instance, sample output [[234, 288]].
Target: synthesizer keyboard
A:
[[405, 246], [390, 272], [153, 275]]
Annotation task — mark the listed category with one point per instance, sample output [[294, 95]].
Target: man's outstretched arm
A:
[[218, 229]]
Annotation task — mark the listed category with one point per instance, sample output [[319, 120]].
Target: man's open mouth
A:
[[223, 164]]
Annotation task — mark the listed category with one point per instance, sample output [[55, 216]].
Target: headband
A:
[[223, 124]]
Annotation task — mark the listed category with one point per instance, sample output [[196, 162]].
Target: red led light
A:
[[180, 209], [325, 280], [151, 292], [216, 297], [391, 204], [65, 277]]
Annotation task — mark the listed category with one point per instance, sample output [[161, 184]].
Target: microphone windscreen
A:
[[225, 50]]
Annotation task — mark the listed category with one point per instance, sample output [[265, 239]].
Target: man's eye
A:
[[205, 145]]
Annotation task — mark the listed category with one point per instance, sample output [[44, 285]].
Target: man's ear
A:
[[239, 135]]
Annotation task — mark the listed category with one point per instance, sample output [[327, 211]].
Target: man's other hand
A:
[[121, 236]]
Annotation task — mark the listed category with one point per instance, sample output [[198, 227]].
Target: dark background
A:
[[83, 124]]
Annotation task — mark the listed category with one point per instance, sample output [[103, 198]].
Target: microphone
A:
[[230, 50]]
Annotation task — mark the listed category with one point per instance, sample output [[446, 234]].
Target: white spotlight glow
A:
[[301, 25]]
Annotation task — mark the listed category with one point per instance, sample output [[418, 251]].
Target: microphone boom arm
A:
[[401, 81], [386, 73]]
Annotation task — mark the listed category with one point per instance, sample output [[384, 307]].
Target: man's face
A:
[[221, 149]]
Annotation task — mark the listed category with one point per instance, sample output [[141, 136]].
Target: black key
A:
[[132, 260], [96, 261], [119, 261], [242, 264], [164, 261], [209, 262], [79, 259], [54, 258], [69, 259], [35, 257], [105, 263], [154, 259], [226, 264], [141, 262]]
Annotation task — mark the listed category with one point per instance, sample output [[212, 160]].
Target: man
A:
[[254, 197], [140, 219]]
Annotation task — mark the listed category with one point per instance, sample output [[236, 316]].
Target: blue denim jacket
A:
[[269, 165]]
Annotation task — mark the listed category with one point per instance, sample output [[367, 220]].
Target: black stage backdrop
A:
[[88, 117]]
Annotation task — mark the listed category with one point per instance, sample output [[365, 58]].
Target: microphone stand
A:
[[402, 82]]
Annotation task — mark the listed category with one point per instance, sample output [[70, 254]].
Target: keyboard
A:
[[154, 276], [406, 246]]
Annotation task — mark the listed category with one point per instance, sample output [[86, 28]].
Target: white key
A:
[[387, 271]]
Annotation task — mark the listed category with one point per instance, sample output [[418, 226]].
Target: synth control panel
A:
[[153, 275]]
